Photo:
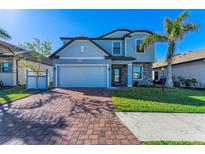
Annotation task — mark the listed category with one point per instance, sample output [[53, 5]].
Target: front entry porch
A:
[[122, 75]]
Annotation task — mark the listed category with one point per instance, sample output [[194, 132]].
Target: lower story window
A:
[[137, 72], [5, 67], [156, 75], [116, 75]]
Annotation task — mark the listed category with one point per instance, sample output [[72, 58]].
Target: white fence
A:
[[34, 81]]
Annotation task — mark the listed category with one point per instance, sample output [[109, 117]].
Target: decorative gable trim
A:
[[138, 31], [79, 39], [114, 31]]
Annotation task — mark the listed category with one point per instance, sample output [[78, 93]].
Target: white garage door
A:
[[82, 76]]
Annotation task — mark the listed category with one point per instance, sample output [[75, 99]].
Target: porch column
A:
[[129, 75], [14, 73], [109, 70]]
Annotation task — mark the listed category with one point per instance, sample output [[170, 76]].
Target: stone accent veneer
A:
[[124, 76], [147, 74]]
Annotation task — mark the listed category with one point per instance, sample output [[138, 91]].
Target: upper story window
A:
[[116, 47], [137, 44], [137, 72]]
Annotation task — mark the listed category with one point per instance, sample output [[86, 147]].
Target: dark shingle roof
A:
[[116, 30], [102, 37], [18, 51], [29, 56], [14, 48]]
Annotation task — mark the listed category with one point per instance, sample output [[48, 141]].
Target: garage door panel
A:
[[82, 76]]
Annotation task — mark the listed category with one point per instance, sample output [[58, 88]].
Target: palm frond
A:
[[168, 25], [182, 17], [150, 39], [4, 34], [186, 28], [190, 27]]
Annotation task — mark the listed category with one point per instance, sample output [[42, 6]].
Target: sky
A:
[[23, 25]]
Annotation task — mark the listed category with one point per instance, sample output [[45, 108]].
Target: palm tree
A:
[[4, 34], [175, 30]]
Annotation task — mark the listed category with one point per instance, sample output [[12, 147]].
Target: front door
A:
[[116, 76]]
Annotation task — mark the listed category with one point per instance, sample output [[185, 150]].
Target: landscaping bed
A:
[[149, 99]]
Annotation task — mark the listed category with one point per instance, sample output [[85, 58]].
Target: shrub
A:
[[1, 84], [156, 82], [188, 82], [176, 83], [194, 81], [136, 84]]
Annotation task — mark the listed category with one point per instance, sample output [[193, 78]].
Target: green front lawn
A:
[[145, 99], [173, 143], [12, 94]]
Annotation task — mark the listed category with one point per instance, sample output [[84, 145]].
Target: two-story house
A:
[[113, 59]]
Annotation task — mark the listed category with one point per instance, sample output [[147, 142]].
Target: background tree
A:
[[4, 34], [175, 30], [38, 50]]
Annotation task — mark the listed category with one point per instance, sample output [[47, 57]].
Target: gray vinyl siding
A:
[[107, 45], [74, 50], [147, 56]]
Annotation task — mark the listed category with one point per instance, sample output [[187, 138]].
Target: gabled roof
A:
[[135, 31], [29, 56], [75, 39], [102, 37], [92, 38], [117, 30], [18, 51], [183, 58], [13, 49]]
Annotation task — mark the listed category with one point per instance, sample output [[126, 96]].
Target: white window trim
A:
[[135, 65], [120, 47], [136, 46]]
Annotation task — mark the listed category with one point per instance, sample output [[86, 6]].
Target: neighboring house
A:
[[188, 65], [11, 74], [113, 59]]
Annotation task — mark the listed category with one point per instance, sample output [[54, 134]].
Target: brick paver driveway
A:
[[63, 116]]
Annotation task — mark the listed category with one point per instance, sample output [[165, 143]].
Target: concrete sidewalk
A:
[[165, 126]]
